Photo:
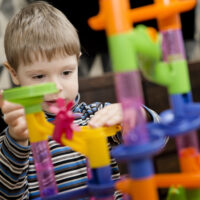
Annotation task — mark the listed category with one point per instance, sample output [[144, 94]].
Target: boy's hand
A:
[[108, 116], [15, 118], [112, 115]]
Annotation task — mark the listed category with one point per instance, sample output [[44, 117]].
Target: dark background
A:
[[78, 12]]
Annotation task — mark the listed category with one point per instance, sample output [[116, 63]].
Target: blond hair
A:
[[39, 29]]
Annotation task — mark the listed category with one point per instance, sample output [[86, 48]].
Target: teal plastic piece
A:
[[30, 97], [176, 194]]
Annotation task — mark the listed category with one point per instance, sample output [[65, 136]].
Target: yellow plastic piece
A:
[[39, 129], [108, 131], [97, 148], [77, 143], [92, 143]]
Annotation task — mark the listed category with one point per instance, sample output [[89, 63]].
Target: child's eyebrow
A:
[[65, 67], [70, 66], [35, 71]]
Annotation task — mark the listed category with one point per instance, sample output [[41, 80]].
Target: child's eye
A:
[[66, 73], [40, 76]]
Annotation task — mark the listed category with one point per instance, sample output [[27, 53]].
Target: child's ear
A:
[[12, 72]]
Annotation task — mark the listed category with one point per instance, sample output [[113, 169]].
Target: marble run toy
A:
[[130, 48], [82, 139]]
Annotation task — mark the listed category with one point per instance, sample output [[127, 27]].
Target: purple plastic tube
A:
[[44, 169], [129, 94], [173, 49], [172, 45]]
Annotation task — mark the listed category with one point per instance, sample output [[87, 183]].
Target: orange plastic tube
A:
[[139, 189], [185, 180], [189, 155], [116, 16], [160, 10], [113, 17]]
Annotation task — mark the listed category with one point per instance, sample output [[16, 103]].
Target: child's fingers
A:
[[108, 116], [105, 118], [8, 107], [11, 118], [113, 121], [19, 131], [106, 121], [97, 117]]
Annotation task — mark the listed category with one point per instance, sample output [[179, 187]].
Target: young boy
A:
[[41, 45]]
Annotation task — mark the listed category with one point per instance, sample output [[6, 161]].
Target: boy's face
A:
[[62, 71]]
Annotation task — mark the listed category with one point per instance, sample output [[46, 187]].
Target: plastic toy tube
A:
[[189, 142], [173, 50], [39, 129], [31, 98], [191, 180], [172, 45], [44, 168], [173, 53], [129, 92]]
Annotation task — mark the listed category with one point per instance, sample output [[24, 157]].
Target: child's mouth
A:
[[50, 103]]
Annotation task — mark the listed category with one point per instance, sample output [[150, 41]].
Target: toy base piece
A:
[[127, 153], [169, 126]]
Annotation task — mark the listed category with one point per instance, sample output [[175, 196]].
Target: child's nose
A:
[[58, 83], [59, 86]]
